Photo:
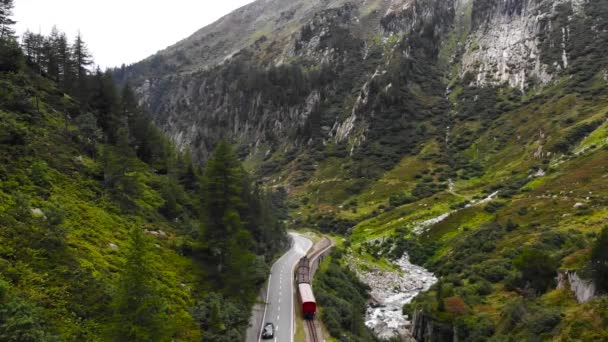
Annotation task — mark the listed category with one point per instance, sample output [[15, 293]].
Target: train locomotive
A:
[[305, 294]]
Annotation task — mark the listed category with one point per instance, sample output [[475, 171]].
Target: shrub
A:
[[400, 199], [537, 269], [455, 305], [599, 260], [492, 207]]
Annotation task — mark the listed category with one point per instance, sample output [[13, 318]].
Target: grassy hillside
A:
[[106, 229]]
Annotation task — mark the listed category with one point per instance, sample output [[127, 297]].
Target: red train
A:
[[305, 294]]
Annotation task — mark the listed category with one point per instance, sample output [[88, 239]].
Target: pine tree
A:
[[82, 61], [104, 101], [222, 191], [11, 57], [51, 58], [67, 73], [139, 310], [32, 47], [6, 22]]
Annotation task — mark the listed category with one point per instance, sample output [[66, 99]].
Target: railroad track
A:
[[312, 330], [325, 243]]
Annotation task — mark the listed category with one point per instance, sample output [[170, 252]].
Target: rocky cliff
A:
[[380, 116], [280, 73]]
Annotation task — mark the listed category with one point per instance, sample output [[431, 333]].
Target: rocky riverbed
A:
[[390, 290]]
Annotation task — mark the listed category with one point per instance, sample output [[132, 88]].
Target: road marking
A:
[[266, 305], [277, 317]]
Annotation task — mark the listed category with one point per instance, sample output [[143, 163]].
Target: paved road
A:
[[280, 306]]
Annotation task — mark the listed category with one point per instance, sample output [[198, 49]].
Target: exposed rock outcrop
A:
[[211, 85], [584, 290], [426, 329]]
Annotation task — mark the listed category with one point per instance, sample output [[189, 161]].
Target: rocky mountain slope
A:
[[468, 133]]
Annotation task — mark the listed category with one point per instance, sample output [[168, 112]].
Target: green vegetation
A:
[[599, 261], [107, 232], [342, 298], [139, 309], [494, 189]]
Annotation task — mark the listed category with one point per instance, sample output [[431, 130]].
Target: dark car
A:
[[268, 331]]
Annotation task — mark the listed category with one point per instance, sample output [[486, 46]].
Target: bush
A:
[[19, 320], [492, 207], [599, 260], [455, 306], [537, 269], [400, 199], [542, 321]]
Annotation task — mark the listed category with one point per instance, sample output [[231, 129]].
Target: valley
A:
[[456, 151]]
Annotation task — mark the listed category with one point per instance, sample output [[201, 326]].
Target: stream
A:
[[390, 289]]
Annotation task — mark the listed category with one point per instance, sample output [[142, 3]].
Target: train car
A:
[[307, 300], [303, 274]]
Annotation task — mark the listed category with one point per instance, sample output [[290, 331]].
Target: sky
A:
[[122, 31]]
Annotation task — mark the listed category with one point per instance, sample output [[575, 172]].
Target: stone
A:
[[37, 212]]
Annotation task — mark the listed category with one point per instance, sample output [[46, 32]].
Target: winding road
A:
[[280, 291]]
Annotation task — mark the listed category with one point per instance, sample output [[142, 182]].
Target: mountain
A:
[[471, 134]]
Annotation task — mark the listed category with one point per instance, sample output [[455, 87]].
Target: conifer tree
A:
[[82, 61], [51, 58], [11, 57], [139, 310], [104, 101], [6, 22], [222, 190], [32, 47], [65, 64]]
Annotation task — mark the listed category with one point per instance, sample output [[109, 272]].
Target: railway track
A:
[[312, 330]]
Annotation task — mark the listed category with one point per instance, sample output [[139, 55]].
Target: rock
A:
[[579, 205], [391, 290], [113, 246], [584, 290], [38, 213]]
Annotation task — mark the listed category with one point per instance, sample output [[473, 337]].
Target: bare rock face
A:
[[278, 74], [584, 290], [506, 44]]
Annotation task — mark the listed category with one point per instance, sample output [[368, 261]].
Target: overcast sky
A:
[[122, 31]]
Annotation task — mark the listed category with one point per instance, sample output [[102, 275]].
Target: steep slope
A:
[[107, 233], [470, 134]]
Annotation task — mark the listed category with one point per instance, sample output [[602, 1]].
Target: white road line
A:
[[278, 318], [266, 305]]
